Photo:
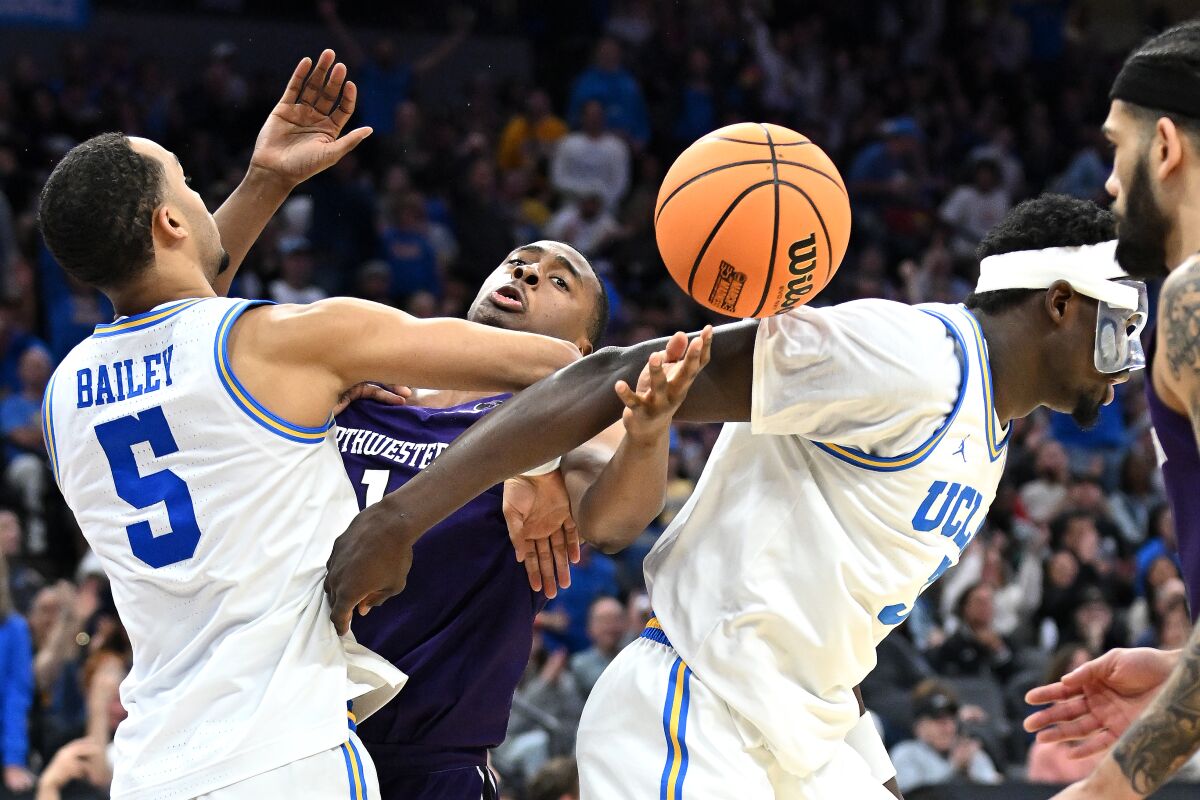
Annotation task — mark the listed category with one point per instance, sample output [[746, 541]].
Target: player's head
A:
[[1049, 267], [1153, 125], [548, 288], [115, 206]]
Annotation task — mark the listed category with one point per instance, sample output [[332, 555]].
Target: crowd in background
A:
[[941, 115]]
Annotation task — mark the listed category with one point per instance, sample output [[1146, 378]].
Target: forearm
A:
[[627, 494], [242, 217], [1168, 733]]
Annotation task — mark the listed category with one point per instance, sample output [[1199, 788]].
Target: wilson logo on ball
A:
[[803, 260]]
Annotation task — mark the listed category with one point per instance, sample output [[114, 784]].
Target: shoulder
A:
[[1179, 330]]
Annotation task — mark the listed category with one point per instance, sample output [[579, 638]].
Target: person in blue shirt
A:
[[16, 690], [615, 87], [24, 452]]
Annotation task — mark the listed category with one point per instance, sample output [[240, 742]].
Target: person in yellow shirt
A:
[[530, 137]]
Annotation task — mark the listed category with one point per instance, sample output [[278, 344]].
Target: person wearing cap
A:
[[294, 284], [939, 752], [865, 446], [1149, 698]]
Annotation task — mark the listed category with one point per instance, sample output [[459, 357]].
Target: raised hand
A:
[[663, 385], [303, 134], [1095, 704]]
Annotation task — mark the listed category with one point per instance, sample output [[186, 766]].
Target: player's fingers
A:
[[345, 107], [546, 565], [1063, 711], [341, 610], [1092, 745], [562, 561], [707, 336], [532, 572], [658, 377], [676, 345], [332, 89], [316, 78], [1050, 693], [628, 396], [1070, 730], [573, 544], [348, 142], [291, 92]]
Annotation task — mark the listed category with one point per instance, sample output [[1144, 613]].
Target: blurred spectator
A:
[[592, 159], [606, 629], [565, 617], [557, 780], [1130, 505], [23, 580], [21, 422], [617, 91], [1175, 625], [1054, 762], [374, 282], [14, 342], [1045, 494], [408, 248], [545, 714], [975, 208], [56, 626], [975, 648], [584, 224], [16, 690], [1161, 543], [295, 284], [384, 81], [530, 137], [940, 752]]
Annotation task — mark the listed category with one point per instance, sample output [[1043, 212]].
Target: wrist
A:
[[650, 435], [267, 183], [1108, 782]]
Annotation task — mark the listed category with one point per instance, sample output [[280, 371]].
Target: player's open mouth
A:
[[508, 298]]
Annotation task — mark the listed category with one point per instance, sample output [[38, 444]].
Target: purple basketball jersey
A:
[[463, 626], [1181, 474]]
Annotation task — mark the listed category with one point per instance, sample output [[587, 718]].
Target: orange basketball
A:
[[752, 219]]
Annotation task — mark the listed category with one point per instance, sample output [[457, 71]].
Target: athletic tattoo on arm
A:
[[1168, 733]]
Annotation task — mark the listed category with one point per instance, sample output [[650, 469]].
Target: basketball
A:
[[752, 219]]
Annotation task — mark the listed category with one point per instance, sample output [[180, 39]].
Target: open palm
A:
[[302, 136], [1096, 703]]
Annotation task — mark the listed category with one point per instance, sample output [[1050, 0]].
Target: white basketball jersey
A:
[[872, 456], [213, 519]]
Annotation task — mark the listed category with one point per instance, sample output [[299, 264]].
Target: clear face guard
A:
[[1118, 333]]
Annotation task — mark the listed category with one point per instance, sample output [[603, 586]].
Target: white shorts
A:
[[345, 772], [652, 731]]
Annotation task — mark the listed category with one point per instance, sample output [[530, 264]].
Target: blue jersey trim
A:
[[858, 458], [144, 320], [243, 399], [48, 428], [995, 448]]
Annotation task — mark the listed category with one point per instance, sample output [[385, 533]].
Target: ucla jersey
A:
[[213, 519], [870, 462]]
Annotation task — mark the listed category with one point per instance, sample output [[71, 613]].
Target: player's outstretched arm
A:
[[369, 563], [299, 359], [615, 503], [301, 137]]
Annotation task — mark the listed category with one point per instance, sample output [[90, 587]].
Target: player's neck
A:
[[1012, 365], [1184, 239], [157, 287]]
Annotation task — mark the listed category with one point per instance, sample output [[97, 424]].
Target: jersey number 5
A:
[[118, 438]]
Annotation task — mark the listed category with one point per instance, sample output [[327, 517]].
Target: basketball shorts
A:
[[463, 783], [651, 730], [344, 772]]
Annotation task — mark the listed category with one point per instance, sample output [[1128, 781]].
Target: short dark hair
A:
[[598, 324], [1175, 49], [558, 777], [97, 209], [1048, 220]]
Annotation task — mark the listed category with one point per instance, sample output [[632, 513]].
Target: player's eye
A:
[[562, 284], [516, 262]]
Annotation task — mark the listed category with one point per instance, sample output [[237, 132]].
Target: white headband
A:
[[1090, 269]]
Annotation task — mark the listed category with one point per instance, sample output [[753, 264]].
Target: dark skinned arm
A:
[[370, 561]]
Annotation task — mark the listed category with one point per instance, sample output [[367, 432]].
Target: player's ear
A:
[[1168, 147], [584, 344], [168, 223], [1058, 300]]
